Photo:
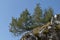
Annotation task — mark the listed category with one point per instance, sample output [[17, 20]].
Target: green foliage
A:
[[48, 14], [37, 14], [28, 22], [20, 23], [13, 25]]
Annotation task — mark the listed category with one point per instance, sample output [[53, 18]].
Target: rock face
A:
[[49, 31]]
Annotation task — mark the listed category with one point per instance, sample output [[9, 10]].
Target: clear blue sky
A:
[[9, 8]]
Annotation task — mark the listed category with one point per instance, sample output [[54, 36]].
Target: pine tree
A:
[[20, 24], [37, 14], [48, 14], [27, 22]]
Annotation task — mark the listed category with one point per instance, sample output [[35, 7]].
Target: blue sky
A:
[[9, 8]]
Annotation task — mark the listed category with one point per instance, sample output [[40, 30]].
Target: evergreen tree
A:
[[26, 22], [20, 24], [48, 14], [37, 14]]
